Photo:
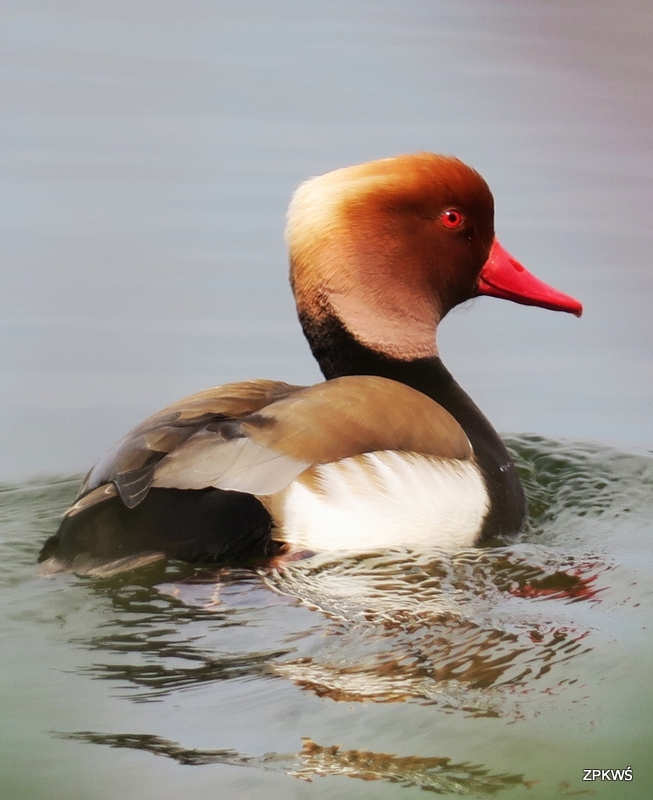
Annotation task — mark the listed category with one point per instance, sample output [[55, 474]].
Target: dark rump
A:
[[208, 525]]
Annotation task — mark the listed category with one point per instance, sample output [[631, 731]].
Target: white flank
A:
[[385, 499]]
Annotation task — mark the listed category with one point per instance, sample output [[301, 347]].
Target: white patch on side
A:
[[385, 499]]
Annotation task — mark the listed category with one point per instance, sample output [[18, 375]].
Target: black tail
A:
[[208, 525]]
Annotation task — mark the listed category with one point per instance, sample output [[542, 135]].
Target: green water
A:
[[147, 155], [506, 670]]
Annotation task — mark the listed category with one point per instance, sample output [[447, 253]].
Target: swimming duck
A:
[[389, 450]]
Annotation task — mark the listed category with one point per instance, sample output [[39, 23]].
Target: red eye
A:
[[451, 218]]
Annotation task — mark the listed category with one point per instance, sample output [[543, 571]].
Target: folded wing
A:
[[258, 436]]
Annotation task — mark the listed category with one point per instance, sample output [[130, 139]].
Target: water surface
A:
[[148, 153], [499, 669]]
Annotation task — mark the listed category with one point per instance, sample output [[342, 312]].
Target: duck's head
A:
[[390, 246]]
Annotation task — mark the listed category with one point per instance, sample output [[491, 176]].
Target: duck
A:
[[388, 451]]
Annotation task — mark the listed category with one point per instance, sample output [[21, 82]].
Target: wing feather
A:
[[241, 465], [258, 436], [130, 465]]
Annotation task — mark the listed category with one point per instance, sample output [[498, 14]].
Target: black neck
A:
[[339, 353]]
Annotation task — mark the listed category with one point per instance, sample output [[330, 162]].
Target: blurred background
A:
[[148, 152]]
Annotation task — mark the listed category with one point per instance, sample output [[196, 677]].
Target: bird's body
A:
[[388, 451]]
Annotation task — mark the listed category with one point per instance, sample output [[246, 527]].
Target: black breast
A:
[[339, 353]]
